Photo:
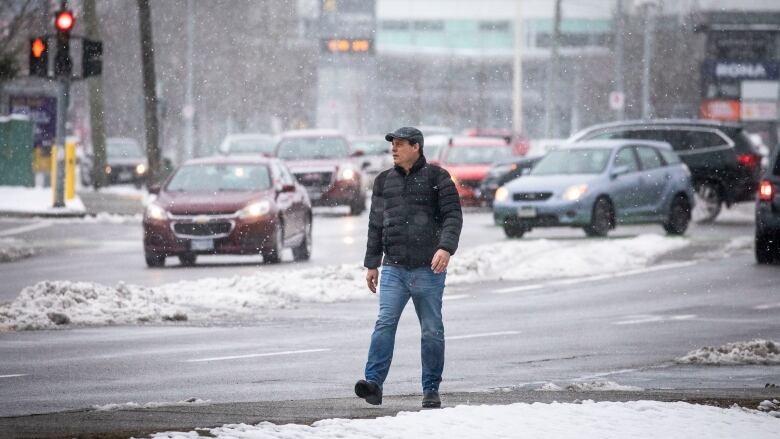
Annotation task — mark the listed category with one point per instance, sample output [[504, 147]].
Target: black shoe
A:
[[431, 399], [370, 391]]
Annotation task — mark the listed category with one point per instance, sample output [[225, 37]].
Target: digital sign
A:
[[348, 45]]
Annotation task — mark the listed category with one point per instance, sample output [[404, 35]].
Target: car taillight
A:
[[748, 160], [766, 191]]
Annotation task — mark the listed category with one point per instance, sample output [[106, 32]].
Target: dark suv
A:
[[724, 162], [768, 213]]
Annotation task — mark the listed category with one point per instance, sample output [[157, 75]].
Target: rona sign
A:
[[737, 70]]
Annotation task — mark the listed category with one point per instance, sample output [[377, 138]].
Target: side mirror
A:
[[154, 189], [526, 171], [365, 165], [618, 171], [358, 153]]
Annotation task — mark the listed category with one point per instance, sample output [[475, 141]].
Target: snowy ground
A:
[[38, 201], [638, 419], [14, 249], [52, 303], [758, 351]]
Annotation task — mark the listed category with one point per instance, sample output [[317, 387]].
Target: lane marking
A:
[[270, 354], [488, 334], [767, 306], [456, 297], [596, 277], [638, 320], [14, 376], [518, 289], [27, 228]]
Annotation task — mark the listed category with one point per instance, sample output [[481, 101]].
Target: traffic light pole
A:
[[62, 108]]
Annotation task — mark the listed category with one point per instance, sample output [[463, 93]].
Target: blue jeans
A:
[[396, 286]]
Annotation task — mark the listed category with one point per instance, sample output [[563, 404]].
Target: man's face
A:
[[405, 154]]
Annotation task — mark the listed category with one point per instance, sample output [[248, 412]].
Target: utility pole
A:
[[517, 77], [550, 122], [96, 109], [647, 57], [619, 81], [150, 97], [63, 68], [188, 111]]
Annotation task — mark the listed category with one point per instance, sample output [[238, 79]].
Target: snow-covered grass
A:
[[765, 352], [51, 303], [150, 405], [13, 250], [37, 201], [606, 420]]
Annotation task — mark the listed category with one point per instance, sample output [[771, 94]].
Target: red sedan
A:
[[468, 159], [228, 205]]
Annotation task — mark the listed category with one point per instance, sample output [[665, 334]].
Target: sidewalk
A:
[[23, 202], [143, 422]]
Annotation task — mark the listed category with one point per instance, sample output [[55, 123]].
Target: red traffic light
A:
[[64, 21], [38, 47]]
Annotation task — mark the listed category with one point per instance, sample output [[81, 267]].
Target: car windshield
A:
[[371, 147], [302, 148], [477, 155], [573, 161], [253, 145], [220, 178], [431, 151], [123, 150]]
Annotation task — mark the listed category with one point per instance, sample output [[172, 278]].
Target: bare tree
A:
[[150, 93]]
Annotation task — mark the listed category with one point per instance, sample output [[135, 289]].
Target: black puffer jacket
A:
[[412, 216]]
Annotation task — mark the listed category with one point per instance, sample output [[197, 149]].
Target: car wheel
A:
[[513, 230], [357, 206], [765, 249], [303, 251], [154, 260], [273, 255], [188, 259], [708, 202], [679, 217], [601, 219]]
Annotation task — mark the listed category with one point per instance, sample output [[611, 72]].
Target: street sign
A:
[[617, 100]]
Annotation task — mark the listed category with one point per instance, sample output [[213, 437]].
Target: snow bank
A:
[[150, 405], [545, 258], [52, 303], [14, 250], [19, 199], [619, 420], [757, 351], [601, 385]]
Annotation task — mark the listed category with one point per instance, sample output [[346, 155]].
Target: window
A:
[[648, 157], [704, 139], [669, 157], [395, 25], [429, 25], [494, 26], [625, 157], [676, 138], [220, 178], [573, 161]]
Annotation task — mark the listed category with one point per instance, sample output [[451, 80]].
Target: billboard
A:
[[42, 111]]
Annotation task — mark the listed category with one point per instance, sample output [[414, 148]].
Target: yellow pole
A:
[[54, 173], [70, 170]]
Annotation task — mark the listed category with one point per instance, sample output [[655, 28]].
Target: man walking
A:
[[413, 229]]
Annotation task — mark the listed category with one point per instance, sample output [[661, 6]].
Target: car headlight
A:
[[574, 193], [155, 212], [347, 174], [502, 194], [255, 210], [140, 169]]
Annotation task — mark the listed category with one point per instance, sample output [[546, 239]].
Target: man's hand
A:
[[372, 277], [440, 261]]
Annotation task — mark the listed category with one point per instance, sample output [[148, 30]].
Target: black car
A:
[[125, 163], [502, 172], [724, 162], [768, 213]]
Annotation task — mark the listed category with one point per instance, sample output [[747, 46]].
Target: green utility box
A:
[[16, 151]]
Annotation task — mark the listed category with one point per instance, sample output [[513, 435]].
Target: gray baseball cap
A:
[[412, 134]]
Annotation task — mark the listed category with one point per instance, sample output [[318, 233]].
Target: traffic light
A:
[[92, 58], [39, 57], [63, 21]]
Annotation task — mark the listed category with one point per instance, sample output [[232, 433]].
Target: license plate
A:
[[125, 176], [202, 244], [526, 212]]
